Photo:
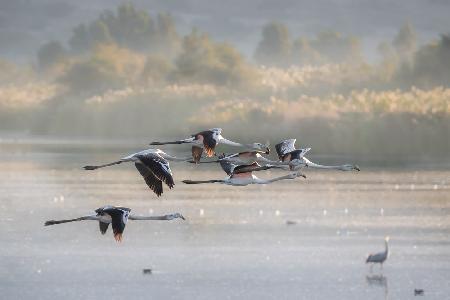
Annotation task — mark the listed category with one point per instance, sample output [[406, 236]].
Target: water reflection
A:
[[378, 281], [262, 241]]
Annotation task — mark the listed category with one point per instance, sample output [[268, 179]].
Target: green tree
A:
[[275, 45], [303, 53], [431, 65], [100, 33], [203, 61], [80, 40], [405, 42], [49, 54], [333, 47], [168, 39]]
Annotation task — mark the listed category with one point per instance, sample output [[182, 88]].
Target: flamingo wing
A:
[[159, 167], [227, 166], [197, 153], [209, 142], [118, 221], [150, 179], [246, 168], [285, 147], [103, 227], [299, 153]]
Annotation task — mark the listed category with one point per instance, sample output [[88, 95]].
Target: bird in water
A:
[[241, 175], [379, 258], [207, 141], [295, 158], [152, 164], [117, 217]]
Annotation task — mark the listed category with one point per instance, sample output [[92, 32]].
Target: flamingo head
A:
[[349, 167], [175, 216], [261, 147]]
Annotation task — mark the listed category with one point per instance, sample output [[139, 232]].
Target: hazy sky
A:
[[26, 24]]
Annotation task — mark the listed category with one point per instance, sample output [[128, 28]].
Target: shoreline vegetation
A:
[[129, 74]]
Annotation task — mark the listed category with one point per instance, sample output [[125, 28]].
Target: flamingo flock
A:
[[153, 165]]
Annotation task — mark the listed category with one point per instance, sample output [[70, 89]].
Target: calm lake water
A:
[[236, 242]]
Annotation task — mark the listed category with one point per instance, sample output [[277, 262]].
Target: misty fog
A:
[[344, 77]]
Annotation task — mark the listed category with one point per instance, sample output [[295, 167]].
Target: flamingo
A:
[[152, 164], [207, 141], [295, 158], [241, 175], [117, 216], [244, 158]]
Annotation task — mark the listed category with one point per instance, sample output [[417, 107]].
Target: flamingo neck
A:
[[165, 217]]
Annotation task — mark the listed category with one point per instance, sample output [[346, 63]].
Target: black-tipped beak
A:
[[357, 168], [181, 216], [303, 175], [267, 150]]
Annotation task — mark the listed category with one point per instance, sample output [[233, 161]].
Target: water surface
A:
[[236, 242]]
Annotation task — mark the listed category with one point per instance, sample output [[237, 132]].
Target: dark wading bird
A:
[[117, 217], [240, 175], [295, 158], [379, 258], [152, 164], [207, 141]]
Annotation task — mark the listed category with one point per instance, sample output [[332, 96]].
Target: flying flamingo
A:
[[244, 158], [117, 217], [152, 164], [241, 175], [295, 158], [207, 141]]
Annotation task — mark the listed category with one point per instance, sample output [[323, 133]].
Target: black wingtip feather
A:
[[90, 167]]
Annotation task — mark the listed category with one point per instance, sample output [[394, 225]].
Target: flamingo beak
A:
[[181, 216], [357, 168]]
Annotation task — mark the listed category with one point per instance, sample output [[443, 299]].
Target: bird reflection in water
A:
[[378, 281]]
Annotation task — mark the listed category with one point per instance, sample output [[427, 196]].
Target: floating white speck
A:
[[55, 199], [412, 187], [324, 212], [261, 212], [201, 212], [415, 246], [382, 211], [39, 271], [277, 213], [346, 211], [396, 187], [61, 198], [435, 187], [267, 257], [150, 210]]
